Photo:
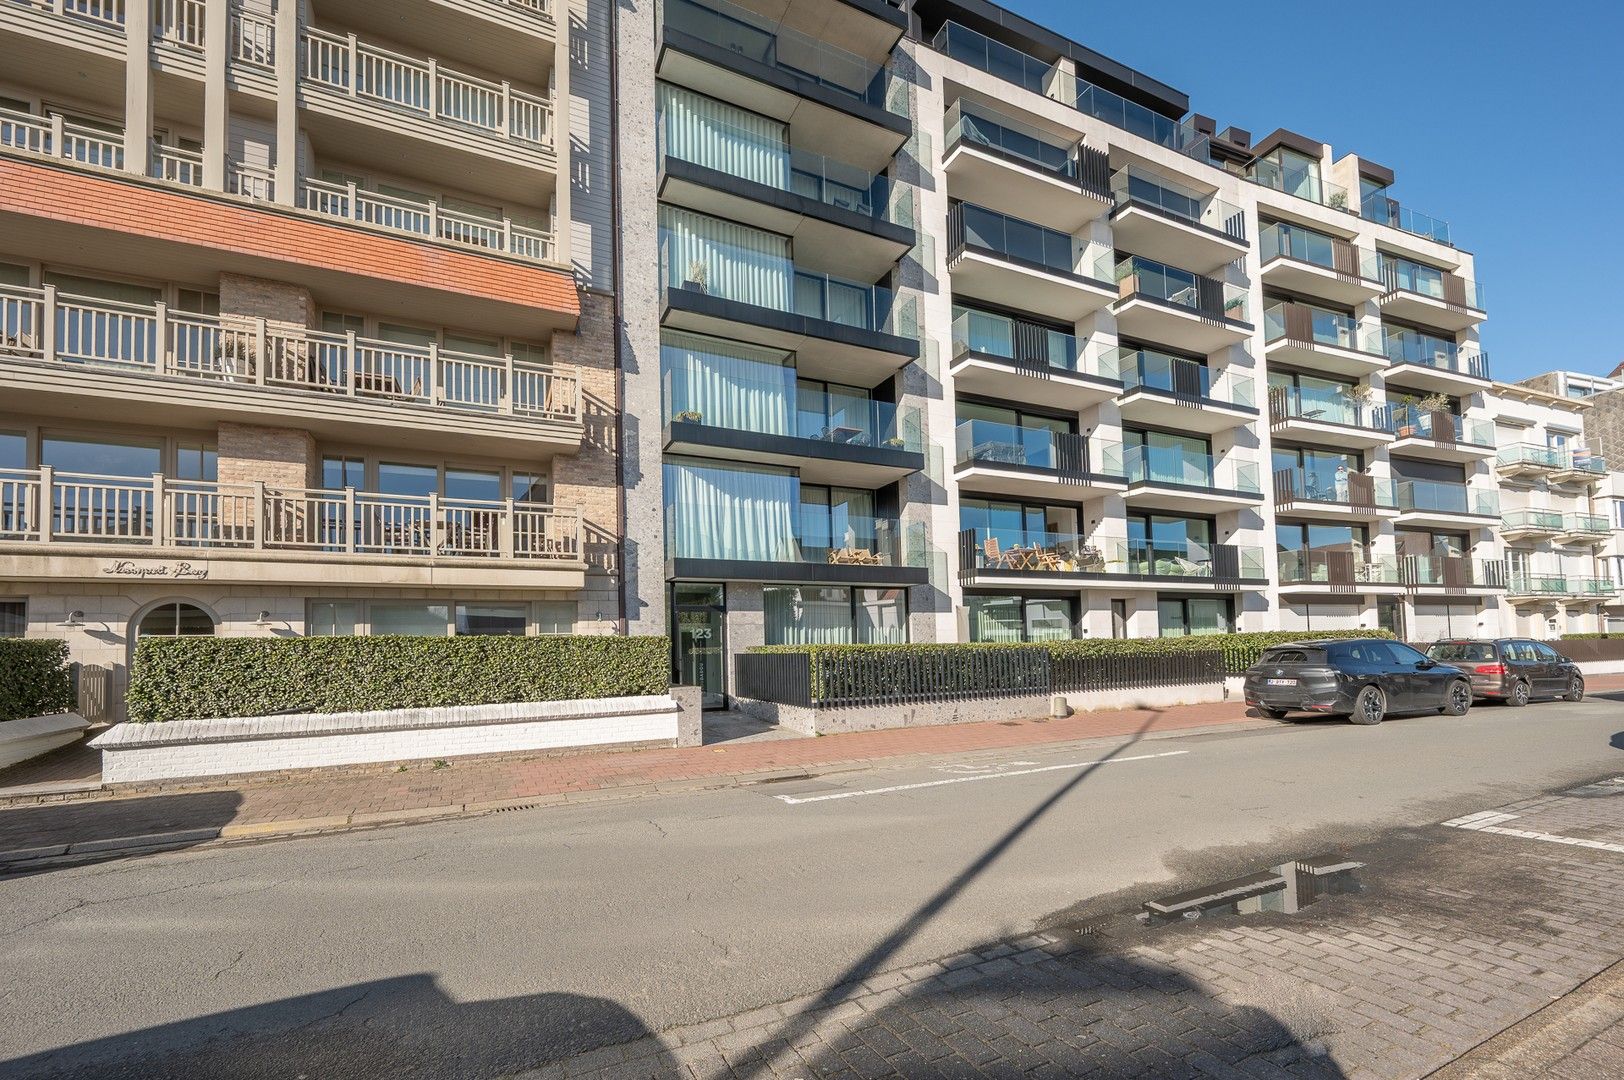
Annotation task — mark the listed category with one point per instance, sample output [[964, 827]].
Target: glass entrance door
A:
[[699, 641]]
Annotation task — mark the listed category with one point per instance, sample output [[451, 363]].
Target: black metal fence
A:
[[901, 676]]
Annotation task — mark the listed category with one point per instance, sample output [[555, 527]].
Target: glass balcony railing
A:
[[992, 550], [1355, 489], [752, 37], [1452, 571], [1011, 139], [1279, 240], [1023, 343], [1175, 467], [1182, 559], [786, 533], [1406, 275], [1024, 243], [1133, 186], [1308, 325], [745, 275], [1337, 566], [1586, 525], [1176, 375], [777, 406], [1524, 521], [1591, 586], [993, 444], [1427, 350], [1305, 183], [1429, 496], [1531, 583], [1378, 207], [1410, 422], [1208, 297], [1010, 64], [1326, 407], [1532, 456], [707, 141], [1584, 460]]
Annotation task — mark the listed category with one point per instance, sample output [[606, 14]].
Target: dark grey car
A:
[[1363, 679], [1513, 670]]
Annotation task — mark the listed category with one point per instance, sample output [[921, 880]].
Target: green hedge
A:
[[1240, 651], [33, 678], [190, 678], [1590, 636]]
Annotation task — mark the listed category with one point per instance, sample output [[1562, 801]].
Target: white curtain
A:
[[729, 385], [735, 261], [740, 512], [707, 132], [995, 618], [807, 616]]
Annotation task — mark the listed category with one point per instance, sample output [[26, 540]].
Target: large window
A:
[[1329, 401], [1194, 616], [716, 511], [1168, 545], [13, 618], [1318, 474], [1164, 458], [1015, 524], [175, 620], [426, 618], [1010, 619], [816, 615]]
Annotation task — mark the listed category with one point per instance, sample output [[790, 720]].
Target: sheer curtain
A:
[[729, 385], [723, 137], [802, 615], [740, 512], [735, 261], [995, 618]]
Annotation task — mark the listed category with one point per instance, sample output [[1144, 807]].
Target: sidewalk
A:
[[178, 814]]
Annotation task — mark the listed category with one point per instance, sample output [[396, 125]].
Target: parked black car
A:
[[1513, 670], [1363, 679]]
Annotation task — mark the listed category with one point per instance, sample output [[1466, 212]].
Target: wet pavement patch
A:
[[1284, 889]]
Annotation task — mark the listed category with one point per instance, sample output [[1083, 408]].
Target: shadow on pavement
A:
[[397, 1028], [86, 823], [1617, 741]]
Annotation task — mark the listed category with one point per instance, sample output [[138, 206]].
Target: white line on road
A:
[[793, 801], [1492, 821]]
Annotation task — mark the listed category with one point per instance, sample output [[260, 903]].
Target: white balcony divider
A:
[[180, 166], [253, 39], [422, 86], [254, 181], [425, 217], [44, 506], [180, 22], [41, 324]]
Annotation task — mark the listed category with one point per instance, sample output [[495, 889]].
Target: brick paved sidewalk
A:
[[322, 799], [1457, 936]]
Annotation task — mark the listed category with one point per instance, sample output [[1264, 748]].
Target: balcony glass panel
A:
[[1443, 498], [1284, 319], [1009, 138], [1410, 276], [988, 334], [1330, 486], [1134, 186], [1019, 241], [1378, 207], [1328, 565], [1547, 520], [993, 443], [1203, 295], [1282, 240], [1299, 179], [1413, 347]]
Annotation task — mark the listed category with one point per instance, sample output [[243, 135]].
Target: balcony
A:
[[1527, 587], [1016, 360], [1171, 479], [1037, 463], [1328, 418], [981, 52], [1530, 460], [1320, 340], [1452, 574], [1530, 525], [1347, 570], [1441, 435], [1318, 265], [426, 218], [74, 526], [990, 557], [1160, 217], [1592, 589], [1383, 210], [1582, 465], [733, 54], [1175, 392], [53, 136], [1178, 308], [1415, 292], [1429, 502], [794, 547], [1579, 529], [104, 359], [831, 438], [1013, 263], [1299, 182], [998, 161], [1433, 363], [1310, 494]]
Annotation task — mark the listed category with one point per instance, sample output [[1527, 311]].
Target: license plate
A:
[[1282, 682]]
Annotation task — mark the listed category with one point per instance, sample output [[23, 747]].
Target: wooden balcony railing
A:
[[426, 217]]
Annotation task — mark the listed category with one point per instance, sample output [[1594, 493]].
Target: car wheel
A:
[[1576, 689], [1272, 714], [1370, 706], [1458, 699], [1519, 694]]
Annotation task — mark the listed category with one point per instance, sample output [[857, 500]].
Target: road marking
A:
[[1493, 821], [993, 767], [793, 801]]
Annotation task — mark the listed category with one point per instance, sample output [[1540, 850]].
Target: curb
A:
[[55, 855]]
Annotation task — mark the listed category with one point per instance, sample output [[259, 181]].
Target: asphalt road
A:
[[482, 947]]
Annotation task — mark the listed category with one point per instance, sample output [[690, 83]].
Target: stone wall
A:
[[261, 298], [281, 457]]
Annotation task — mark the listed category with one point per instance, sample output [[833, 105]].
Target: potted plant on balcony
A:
[[896, 442], [689, 416], [1434, 402], [1339, 200], [698, 276], [1406, 422]]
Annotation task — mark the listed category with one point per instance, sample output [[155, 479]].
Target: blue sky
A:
[[1506, 119]]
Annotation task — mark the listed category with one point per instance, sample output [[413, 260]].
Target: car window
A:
[[1449, 652], [1368, 652], [1546, 652], [1521, 650], [1400, 652]]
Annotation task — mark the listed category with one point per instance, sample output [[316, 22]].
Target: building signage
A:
[[175, 571]]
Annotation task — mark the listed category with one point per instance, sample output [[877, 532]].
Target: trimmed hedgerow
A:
[[197, 677], [33, 678], [1590, 636]]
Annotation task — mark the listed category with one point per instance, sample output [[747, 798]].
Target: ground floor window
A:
[[1021, 618], [13, 618], [425, 618], [175, 620], [1194, 616], [820, 615]]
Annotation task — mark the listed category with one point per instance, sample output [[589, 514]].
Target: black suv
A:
[[1513, 670], [1361, 678]]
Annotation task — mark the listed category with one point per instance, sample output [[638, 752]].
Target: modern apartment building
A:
[[305, 323]]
